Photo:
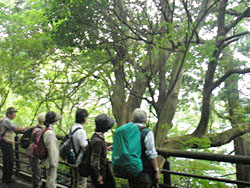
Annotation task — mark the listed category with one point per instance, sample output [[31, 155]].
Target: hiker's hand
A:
[[99, 179], [158, 176], [110, 148], [24, 129]]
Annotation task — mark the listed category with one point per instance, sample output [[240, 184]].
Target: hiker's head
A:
[[103, 123], [11, 113], [81, 116], [51, 118], [41, 118], [139, 116]]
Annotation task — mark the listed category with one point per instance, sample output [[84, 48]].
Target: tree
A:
[[156, 40]]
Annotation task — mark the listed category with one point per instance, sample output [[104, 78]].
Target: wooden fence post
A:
[[166, 175]]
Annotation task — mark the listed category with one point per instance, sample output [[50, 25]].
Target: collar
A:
[[78, 124], [100, 134], [51, 127], [139, 124]]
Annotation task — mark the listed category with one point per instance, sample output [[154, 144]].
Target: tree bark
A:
[[210, 73], [235, 111]]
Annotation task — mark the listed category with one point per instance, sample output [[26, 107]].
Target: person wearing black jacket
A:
[[101, 174]]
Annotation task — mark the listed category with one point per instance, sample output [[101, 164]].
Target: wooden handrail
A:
[[237, 159]]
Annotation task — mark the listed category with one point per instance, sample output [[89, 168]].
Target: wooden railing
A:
[[234, 159], [66, 174], [21, 157]]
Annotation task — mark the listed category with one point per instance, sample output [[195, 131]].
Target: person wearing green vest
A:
[[150, 174]]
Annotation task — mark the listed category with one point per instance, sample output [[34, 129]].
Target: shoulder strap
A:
[[40, 135], [6, 129], [144, 131], [71, 134], [44, 130]]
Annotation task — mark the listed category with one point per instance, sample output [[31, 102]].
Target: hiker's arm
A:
[[95, 160], [150, 146], [83, 148], [21, 129], [152, 153], [82, 140], [156, 169], [9, 125]]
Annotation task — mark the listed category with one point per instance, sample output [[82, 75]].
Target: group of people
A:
[[101, 176]]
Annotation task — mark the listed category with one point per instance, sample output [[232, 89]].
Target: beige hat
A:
[[41, 117]]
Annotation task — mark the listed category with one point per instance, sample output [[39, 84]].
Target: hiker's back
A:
[[51, 144], [126, 158]]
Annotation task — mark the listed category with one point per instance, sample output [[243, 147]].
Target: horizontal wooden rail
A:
[[166, 153], [237, 159], [209, 178]]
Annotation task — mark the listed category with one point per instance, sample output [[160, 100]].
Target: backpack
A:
[[2, 134], [39, 149], [147, 164], [84, 167], [67, 149], [25, 140], [126, 157]]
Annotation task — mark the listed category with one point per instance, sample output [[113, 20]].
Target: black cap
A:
[[11, 110], [52, 117], [103, 123]]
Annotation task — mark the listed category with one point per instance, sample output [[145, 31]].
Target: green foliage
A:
[[64, 54], [77, 22]]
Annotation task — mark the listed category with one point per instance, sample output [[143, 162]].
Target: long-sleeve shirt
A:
[[51, 144], [149, 144]]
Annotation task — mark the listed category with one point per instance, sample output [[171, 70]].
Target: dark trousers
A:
[[8, 161], [144, 180], [108, 179], [36, 172]]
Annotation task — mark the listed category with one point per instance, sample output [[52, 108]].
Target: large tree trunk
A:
[[242, 171], [235, 111]]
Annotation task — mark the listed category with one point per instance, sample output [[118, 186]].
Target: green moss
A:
[[196, 142]]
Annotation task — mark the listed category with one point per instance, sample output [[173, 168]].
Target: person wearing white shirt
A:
[[80, 142]]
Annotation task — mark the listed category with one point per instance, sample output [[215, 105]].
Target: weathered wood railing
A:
[[167, 173], [234, 159], [26, 172]]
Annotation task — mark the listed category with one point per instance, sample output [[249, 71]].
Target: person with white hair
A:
[[150, 175]]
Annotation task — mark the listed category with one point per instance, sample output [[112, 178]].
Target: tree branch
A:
[[222, 116], [229, 135], [226, 75], [245, 14], [207, 141]]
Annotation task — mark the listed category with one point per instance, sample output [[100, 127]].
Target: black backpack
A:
[[67, 149], [85, 169], [26, 138]]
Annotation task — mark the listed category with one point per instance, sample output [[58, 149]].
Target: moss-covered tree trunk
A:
[[237, 115]]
